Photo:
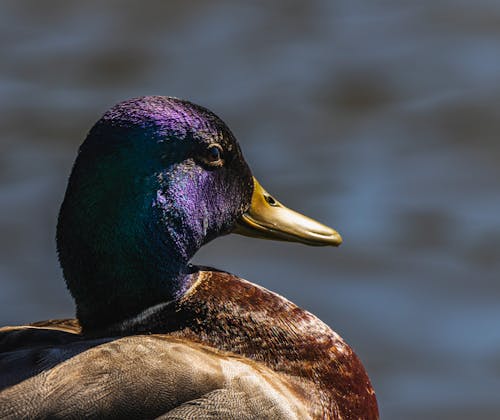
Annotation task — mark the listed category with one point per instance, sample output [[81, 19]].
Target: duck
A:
[[155, 336]]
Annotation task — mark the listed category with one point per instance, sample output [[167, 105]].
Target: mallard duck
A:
[[156, 337]]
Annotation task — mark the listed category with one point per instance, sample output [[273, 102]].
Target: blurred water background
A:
[[378, 118]]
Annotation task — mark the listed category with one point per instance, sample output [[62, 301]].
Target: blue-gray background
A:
[[378, 118]]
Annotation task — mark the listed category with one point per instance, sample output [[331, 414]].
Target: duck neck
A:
[[122, 255]]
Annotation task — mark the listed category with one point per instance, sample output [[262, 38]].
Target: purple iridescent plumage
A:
[[169, 117]]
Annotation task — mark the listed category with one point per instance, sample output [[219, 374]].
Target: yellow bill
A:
[[267, 218]]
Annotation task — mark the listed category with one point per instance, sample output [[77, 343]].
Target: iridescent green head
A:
[[155, 179]]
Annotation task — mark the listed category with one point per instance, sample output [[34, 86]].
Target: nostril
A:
[[270, 200]]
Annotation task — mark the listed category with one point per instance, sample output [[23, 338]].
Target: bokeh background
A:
[[378, 118]]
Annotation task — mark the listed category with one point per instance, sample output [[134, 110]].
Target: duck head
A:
[[155, 179]]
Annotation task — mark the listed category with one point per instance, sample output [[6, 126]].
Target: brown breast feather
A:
[[234, 315]]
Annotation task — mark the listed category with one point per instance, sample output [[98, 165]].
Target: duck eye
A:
[[213, 155]]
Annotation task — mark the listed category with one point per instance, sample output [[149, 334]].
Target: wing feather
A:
[[64, 376]]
